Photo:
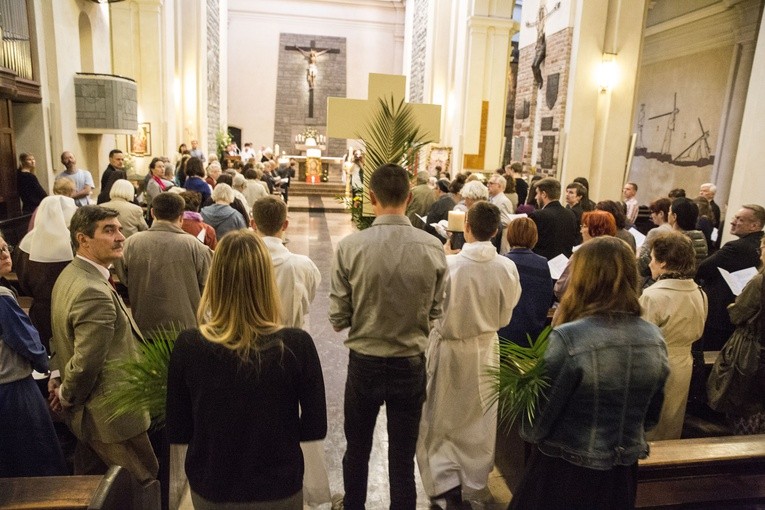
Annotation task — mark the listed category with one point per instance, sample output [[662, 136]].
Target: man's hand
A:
[[448, 247], [55, 402]]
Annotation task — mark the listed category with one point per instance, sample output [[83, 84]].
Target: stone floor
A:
[[316, 234]]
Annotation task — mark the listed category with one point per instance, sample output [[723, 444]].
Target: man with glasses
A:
[[735, 255]]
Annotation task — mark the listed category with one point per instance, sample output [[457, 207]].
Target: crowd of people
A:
[[424, 316]]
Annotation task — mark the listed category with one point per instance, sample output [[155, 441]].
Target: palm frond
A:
[[519, 380], [143, 381], [391, 136]]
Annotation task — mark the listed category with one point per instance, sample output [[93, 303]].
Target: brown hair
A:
[[676, 251], [522, 233], [604, 280], [269, 214], [483, 219]]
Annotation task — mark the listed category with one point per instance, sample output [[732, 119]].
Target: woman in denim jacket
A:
[[607, 368]]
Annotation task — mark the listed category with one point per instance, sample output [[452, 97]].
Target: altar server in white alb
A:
[[455, 449]]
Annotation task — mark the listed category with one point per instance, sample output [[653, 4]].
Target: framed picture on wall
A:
[[439, 156], [139, 144]]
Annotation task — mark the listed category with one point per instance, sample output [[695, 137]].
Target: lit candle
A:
[[456, 221]]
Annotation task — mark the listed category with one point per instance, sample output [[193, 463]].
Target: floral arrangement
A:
[[310, 132], [222, 140]]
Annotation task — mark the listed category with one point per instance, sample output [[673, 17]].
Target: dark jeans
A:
[[400, 384]]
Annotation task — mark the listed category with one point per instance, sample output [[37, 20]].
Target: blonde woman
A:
[[243, 391]]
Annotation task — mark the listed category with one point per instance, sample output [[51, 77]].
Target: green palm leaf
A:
[[391, 136], [143, 381], [520, 381]]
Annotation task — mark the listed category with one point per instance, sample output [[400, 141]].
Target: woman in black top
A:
[[30, 191], [243, 391]]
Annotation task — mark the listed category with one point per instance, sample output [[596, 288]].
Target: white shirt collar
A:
[[101, 269]]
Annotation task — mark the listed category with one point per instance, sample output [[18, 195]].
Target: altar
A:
[[314, 170]]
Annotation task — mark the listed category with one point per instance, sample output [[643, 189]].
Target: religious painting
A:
[[139, 144], [439, 156]]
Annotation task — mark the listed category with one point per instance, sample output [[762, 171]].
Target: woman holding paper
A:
[[594, 224], [678, 306]]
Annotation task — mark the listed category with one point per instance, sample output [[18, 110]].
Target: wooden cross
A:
[[349, 118], [313, 71]]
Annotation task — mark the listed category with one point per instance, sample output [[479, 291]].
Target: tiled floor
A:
[[316, 234]]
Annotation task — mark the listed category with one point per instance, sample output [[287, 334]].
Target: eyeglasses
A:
[[6, 249]]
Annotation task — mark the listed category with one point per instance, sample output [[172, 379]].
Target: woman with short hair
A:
[[659, 209], [678, 306], [530, 314], [220, 215], [594, 224], [243, 392], [617, 211], [607, 368], [131, 215]]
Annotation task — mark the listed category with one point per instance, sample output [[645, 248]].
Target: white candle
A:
[[456, 221]]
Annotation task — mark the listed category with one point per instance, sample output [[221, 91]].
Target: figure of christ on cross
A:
[[541, 46], [311, 55]]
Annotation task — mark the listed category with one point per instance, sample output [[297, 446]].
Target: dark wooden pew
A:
[[116, 490], [713, 472]]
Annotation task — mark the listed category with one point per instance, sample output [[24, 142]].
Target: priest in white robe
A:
[[455, 449]]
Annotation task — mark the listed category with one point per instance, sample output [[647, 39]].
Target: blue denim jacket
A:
[[607, 387]]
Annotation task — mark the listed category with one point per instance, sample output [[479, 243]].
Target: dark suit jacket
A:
[[734, 256], [111, 174], [91, 328], [557, 230]]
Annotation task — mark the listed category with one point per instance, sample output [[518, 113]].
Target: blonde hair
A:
[[63, 186], [240, 303], [604, 280]]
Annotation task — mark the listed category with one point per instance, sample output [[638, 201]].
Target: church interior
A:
[[662, 93]]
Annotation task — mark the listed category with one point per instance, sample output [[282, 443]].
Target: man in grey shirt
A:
[[387, 285]]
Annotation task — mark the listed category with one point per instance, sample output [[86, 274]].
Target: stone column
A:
[[747, 16], [598, 125], [747, 185]]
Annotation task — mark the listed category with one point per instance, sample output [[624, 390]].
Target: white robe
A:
[[458, 427]]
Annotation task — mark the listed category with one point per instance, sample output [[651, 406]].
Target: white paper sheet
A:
[[713, 236], [737, 280], [639, 237], [557, 265]]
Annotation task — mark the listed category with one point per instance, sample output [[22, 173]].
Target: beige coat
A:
[[679, 308], [91, 328], [131, 216]]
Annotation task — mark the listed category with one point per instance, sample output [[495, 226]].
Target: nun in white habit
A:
[[43, 253]]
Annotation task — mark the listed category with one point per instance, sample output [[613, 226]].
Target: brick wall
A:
[[419, 50], [557, 61], [292, 91], [213, 74]]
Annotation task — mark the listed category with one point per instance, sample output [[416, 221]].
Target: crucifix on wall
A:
[[311, 55], [541, 47]]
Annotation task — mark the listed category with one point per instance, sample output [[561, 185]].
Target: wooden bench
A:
[[706, 472], [116, 490]]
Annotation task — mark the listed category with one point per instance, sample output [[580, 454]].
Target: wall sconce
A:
[[607, 72]]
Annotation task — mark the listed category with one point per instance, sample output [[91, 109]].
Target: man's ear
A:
[[373, 197], [285, 225], [409, 199], [253, 226]]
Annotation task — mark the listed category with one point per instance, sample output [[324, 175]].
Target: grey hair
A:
[[122, 188], [475, 190], [712, 187], [223, 193]]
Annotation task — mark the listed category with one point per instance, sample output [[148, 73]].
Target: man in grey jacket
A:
[[164, 269]]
